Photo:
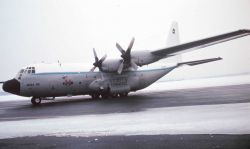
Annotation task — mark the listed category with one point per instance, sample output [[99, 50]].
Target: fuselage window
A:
[[29, 71]]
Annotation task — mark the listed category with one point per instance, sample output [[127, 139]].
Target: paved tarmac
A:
[[136, 102]]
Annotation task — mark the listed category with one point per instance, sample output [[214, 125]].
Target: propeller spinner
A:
[[98, 63], [126, 55]]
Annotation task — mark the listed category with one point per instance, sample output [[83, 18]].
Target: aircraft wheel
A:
[[95, 96], [126, 94], [35, 101], [114, 95], [104, 96], [123, 94]]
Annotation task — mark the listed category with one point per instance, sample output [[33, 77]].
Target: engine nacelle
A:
[[111, 65]]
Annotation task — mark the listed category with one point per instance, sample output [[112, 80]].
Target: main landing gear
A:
[[107, 95]]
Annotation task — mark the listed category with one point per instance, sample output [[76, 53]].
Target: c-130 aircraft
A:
[[115, 77]]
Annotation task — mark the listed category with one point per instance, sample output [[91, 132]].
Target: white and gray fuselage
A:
[[54, 84]]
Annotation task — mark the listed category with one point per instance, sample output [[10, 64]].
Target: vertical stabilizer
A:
[[173, 40], [173, 35]]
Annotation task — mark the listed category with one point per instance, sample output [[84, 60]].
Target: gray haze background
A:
[[32, 31]]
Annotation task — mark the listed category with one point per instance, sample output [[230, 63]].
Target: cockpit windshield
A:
[[27, 70]]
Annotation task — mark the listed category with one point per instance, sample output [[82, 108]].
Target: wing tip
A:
[[245, 31]]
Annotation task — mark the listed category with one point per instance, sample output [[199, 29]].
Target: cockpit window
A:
[[27, 70]]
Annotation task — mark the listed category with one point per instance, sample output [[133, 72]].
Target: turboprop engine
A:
[[117, 65]]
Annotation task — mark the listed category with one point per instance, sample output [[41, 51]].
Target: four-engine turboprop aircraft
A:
[[115, 77]]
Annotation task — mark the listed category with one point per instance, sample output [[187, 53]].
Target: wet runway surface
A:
[[135, 102], [132, 142]]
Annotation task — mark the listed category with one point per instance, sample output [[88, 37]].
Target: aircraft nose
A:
[[12, 86]]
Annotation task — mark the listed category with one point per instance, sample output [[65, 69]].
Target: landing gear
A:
[[123, 94], [105, 95], [115, 95], [35, 101], [95, 96]]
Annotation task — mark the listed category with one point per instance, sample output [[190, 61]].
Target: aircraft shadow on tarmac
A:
[[135, 102]]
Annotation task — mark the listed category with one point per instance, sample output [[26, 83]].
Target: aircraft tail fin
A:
[[173, 35], [173, 40]]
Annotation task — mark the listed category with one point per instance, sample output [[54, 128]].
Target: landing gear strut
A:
[[123, 94], [35, 101], [95, 96], [107, 95]]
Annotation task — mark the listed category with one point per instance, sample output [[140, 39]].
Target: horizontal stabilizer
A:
[[192, 63], [1, 82]]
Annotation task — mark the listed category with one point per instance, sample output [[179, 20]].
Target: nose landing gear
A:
[[36, 101]]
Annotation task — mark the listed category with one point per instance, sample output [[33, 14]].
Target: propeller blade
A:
[[103, 58], [119, 71], [120, 48], [97, 63], [133, 64], [130, 45], [96, 58], [93, 69]]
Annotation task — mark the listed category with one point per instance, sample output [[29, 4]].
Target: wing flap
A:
[[182, 48]]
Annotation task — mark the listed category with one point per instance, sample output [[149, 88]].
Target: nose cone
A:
[[12, 86]]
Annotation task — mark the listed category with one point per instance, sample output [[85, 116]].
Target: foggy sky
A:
[[32, 31]]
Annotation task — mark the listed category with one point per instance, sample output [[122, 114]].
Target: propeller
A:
[[98, 63], [126, 56]]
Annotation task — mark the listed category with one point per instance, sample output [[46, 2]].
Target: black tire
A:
[[95, 96], [114, 95], [35, 101], [104, 96], [123, 94]]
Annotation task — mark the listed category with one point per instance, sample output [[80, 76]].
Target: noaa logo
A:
[[173, 31]]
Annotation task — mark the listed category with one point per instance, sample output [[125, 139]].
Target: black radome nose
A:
[[12, 86]]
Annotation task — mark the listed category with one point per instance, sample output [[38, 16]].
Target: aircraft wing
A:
[[182, 48]]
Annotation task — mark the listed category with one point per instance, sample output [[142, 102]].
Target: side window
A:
[[33, 70]]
